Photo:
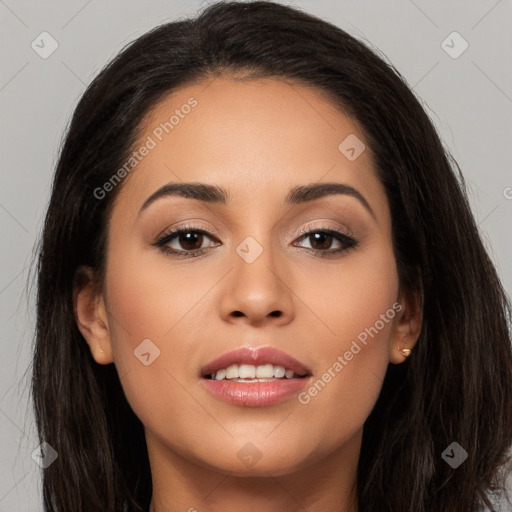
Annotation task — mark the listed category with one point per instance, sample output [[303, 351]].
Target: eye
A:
[[190, 238], [322, 239]]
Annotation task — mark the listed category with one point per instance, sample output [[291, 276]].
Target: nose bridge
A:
[[255, 262], [255, 227]]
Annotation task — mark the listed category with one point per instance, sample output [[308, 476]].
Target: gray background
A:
[[469, 99]]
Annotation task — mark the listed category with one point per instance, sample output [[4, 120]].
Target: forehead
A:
[[255, 138]]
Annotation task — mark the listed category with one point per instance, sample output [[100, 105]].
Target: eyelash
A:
[[347, 241]]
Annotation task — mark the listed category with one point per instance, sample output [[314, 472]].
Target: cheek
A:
[[350, 295], [357, 310], [147, 298], [152, 320]]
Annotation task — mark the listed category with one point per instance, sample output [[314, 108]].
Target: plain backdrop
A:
[[468, 97]]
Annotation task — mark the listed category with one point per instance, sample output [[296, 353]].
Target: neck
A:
[[326, 484]]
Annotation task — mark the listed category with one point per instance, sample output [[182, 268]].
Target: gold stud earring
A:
[[405, 351]]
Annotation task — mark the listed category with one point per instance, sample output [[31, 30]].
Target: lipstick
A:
[[255, 377]]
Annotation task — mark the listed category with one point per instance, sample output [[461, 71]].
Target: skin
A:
[[256, 139]]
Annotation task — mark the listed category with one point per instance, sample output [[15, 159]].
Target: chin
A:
[[251, 462]]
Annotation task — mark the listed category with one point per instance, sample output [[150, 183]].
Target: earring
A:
[[405, 351]]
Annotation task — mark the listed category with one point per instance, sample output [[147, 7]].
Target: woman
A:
[[193, 354]]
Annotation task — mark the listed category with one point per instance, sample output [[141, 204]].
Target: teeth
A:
[[265, 371], [279, 371], [221, 374], [232, 372], [248, 371]]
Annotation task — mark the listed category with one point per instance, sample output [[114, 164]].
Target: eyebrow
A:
[[215, 194]]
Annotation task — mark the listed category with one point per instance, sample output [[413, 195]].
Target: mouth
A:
[[251, 373], [246, 364], [249, 377]]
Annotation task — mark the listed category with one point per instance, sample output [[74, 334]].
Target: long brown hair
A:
[[455, 387]]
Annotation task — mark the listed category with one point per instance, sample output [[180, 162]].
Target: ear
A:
[[406, 324], [91, 315]]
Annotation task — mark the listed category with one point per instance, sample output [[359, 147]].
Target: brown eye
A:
[[191, 240], [185, 240], [321, 241]]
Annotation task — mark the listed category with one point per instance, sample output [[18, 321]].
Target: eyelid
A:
[[310, 226], [189, 224], [192, 225]]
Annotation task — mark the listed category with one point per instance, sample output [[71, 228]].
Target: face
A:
[[314, 277]]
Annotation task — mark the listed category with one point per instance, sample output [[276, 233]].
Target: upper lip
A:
[[256, 357]]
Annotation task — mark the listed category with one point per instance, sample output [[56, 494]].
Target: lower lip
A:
[[255, 394]]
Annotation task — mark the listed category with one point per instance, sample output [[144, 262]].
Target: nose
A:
[[258, 292]]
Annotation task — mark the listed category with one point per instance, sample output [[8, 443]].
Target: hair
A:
[[455, 386]]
